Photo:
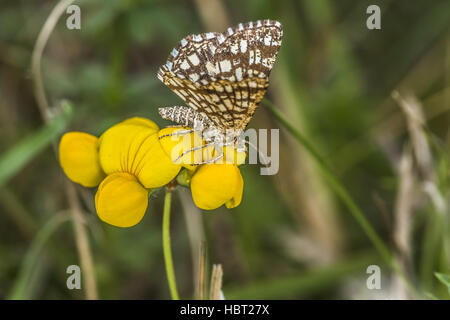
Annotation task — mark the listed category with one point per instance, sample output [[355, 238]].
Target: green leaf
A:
[[13, 160], [444, 278]]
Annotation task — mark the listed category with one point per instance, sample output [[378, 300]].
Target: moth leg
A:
[[211, 160], [193, 149], [179, 133]]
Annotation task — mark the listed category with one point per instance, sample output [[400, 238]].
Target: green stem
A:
[[340, 190], [166, 246]]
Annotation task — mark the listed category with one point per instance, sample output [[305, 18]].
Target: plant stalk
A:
[[166, 245]]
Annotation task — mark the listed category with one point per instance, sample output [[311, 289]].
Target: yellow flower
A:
[[78, 156], [135, 156], [213, 185], [131, 157], [130, 153]]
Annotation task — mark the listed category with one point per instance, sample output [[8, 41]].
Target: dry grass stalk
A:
[[404, 204], [216, 282], [195, 231], [416, 121], [200, 287], [213, 14], [409, 195], [81, 236]]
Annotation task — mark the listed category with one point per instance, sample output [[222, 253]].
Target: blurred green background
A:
[[291, 237]]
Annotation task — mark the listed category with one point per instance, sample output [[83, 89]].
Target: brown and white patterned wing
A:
[[224, 75], [196, 97], [188, 60], [246, 59]]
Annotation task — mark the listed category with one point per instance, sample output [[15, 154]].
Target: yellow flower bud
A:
[[78, 156], [216, 184], [121, 200], [132, 146]]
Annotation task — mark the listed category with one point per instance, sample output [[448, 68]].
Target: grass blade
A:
[[13, 160], [444, 278], [20, 288]]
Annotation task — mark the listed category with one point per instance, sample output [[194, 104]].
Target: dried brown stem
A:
[[81, 237], [216, 282]]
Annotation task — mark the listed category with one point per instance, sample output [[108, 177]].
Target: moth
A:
[[221, 77]]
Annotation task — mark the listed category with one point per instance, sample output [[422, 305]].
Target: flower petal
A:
[[152, 166], [78, 156], [237, 193], [141, 122], [232, 156], [216, 184], [121, 200], [119, 144], [189, 144], [133, 147]]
